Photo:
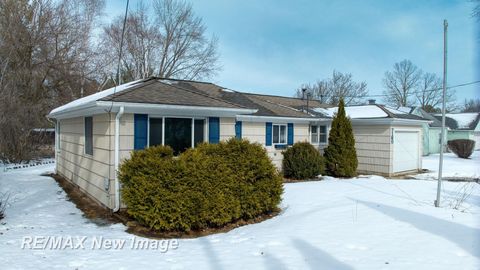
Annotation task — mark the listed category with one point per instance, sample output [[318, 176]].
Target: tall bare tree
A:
[[318, 91], [400, 84], [45, 49], [342, 86], [429, 93], [331, 90], [186, 52], [140, 50], [171, 44]]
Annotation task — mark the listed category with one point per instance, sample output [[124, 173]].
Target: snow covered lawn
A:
[[453, 166], [368, 223]]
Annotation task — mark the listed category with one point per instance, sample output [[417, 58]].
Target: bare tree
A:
[[429, 93], [400, 84], [472, 105], [340, 85], [140, 50], [318, 91], [45, 49], [172, 44], [185, 52]]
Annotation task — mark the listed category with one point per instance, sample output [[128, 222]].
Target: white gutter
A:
[[117, 158]]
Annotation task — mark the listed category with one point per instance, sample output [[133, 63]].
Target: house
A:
[[462, 126], [95, 133]]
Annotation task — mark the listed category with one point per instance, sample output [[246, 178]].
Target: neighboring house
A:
[[95, 133], [462, 126]]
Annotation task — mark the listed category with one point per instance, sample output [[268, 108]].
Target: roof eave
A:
[[178, 110], [388, 121], [262, 118]]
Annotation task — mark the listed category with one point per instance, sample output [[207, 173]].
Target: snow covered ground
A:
[[454, 167], [367, 223]]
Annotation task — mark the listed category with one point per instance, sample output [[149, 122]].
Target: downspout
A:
[[57, 139], [117, 158]]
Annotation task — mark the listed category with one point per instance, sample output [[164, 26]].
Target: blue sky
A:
[[273, 46]]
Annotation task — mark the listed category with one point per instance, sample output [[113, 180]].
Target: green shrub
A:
[[208, 186], [302, 161], [340, 154], [259, 186], [461, 147]]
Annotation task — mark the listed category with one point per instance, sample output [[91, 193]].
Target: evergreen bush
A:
[[302, 161], [340, 154], [461, 147], [208, 186]]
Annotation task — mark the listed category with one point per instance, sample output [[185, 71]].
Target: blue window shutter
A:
[[238, 129], [290, 134], [140, 131], [213, 130], [268, 134]]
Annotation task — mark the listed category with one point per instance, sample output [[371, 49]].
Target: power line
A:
[[431, 90], [418, 92]]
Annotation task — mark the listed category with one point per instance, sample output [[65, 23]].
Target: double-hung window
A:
[[314, 134], [318, 134], [279, 134]]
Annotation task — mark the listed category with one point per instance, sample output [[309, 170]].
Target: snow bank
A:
[[367, 223], [453, 166]]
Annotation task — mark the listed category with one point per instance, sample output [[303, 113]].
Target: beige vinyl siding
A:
[[227, 128], [374, 150], [301, 132], [88, 172], [255, 132]]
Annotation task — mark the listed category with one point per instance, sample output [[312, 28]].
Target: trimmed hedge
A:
[[209, 186], [461, 147], [302, 161]]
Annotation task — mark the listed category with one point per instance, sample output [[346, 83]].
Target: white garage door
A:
[[405, 151]]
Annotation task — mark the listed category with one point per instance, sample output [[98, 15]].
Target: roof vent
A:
[[371, 101]]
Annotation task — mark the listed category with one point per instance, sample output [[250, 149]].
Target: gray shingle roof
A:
[[155, 91], [265, 104]]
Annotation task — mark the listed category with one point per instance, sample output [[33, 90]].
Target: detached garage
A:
[[388, 141]]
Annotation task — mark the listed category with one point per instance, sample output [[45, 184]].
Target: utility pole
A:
[[442, 139]]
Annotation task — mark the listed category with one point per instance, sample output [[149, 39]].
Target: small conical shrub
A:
[[302, 161], [340, 155]]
